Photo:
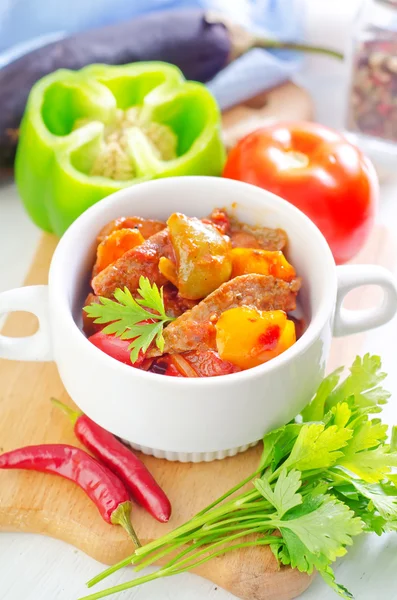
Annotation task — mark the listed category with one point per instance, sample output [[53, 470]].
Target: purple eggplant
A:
[[199, 43]]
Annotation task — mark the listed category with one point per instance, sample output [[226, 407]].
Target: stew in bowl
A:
[[192, 297]]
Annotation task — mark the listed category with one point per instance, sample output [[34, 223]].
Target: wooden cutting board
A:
[[285, 102], [45, 504], [38, 503]]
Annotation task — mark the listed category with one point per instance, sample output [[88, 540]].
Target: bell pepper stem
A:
[[121, 516], [72, 414]]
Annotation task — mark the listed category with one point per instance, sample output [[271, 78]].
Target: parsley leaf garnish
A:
[[141, 320]]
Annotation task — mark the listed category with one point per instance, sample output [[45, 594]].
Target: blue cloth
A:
[[27, 24]]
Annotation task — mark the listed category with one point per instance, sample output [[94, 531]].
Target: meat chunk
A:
[[89, 327], [195, 329], [140, 261], [146, 227], [174, 304], [209, 363], [220, 219], [248, 236]]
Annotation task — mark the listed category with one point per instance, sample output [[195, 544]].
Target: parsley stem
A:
[[229, 492], [109, 571], [156, 557], [194, 524], [164, 572], [203, 518], [197, 522], [230, 538], [242, 518], [126, 586], [205, 536], [263, 541]]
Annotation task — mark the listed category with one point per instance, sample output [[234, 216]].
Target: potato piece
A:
[[248, 337], [263, 262], [114, 246], [168, 269], [202, 256]]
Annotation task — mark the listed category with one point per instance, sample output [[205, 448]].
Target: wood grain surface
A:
[[46, 504], [284, 103]]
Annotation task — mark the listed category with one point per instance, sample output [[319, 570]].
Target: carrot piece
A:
[[114, 246]]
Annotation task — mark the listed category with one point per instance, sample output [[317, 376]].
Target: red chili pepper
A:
[[122, 461], [102, 486]]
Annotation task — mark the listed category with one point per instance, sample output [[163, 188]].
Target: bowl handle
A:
[[33, 299], [353, 321]]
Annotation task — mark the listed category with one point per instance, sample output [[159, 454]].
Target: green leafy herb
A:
[[362, 386], [313, 529], [318, 447], [372, 466], [316, 409], [141, 320], [277, 444], [321, 481], [284, 496]]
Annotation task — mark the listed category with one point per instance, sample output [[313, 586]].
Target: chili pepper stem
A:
[[121, 516], [72, 414]]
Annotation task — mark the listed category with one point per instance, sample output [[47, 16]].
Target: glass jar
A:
[[372, 97]]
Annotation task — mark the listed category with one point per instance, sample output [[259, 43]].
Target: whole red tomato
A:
[[318, 171]]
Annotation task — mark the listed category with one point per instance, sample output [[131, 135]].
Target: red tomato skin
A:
[[337, 189], [114, 347]]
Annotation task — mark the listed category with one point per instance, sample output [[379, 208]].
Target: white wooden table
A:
[[38, 568]]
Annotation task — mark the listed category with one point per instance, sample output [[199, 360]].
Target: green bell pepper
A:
[[86, 134]]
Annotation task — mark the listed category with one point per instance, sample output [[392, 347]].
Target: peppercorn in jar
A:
[[372, 98]]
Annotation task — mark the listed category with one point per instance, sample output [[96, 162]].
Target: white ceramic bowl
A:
[[192, 419]]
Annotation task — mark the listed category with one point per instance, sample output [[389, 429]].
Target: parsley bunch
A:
[[322, 479]]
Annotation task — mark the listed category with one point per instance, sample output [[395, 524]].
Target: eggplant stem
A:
[[266, 43]]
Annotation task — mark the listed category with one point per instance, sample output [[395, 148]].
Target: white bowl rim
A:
[[317, 322]]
